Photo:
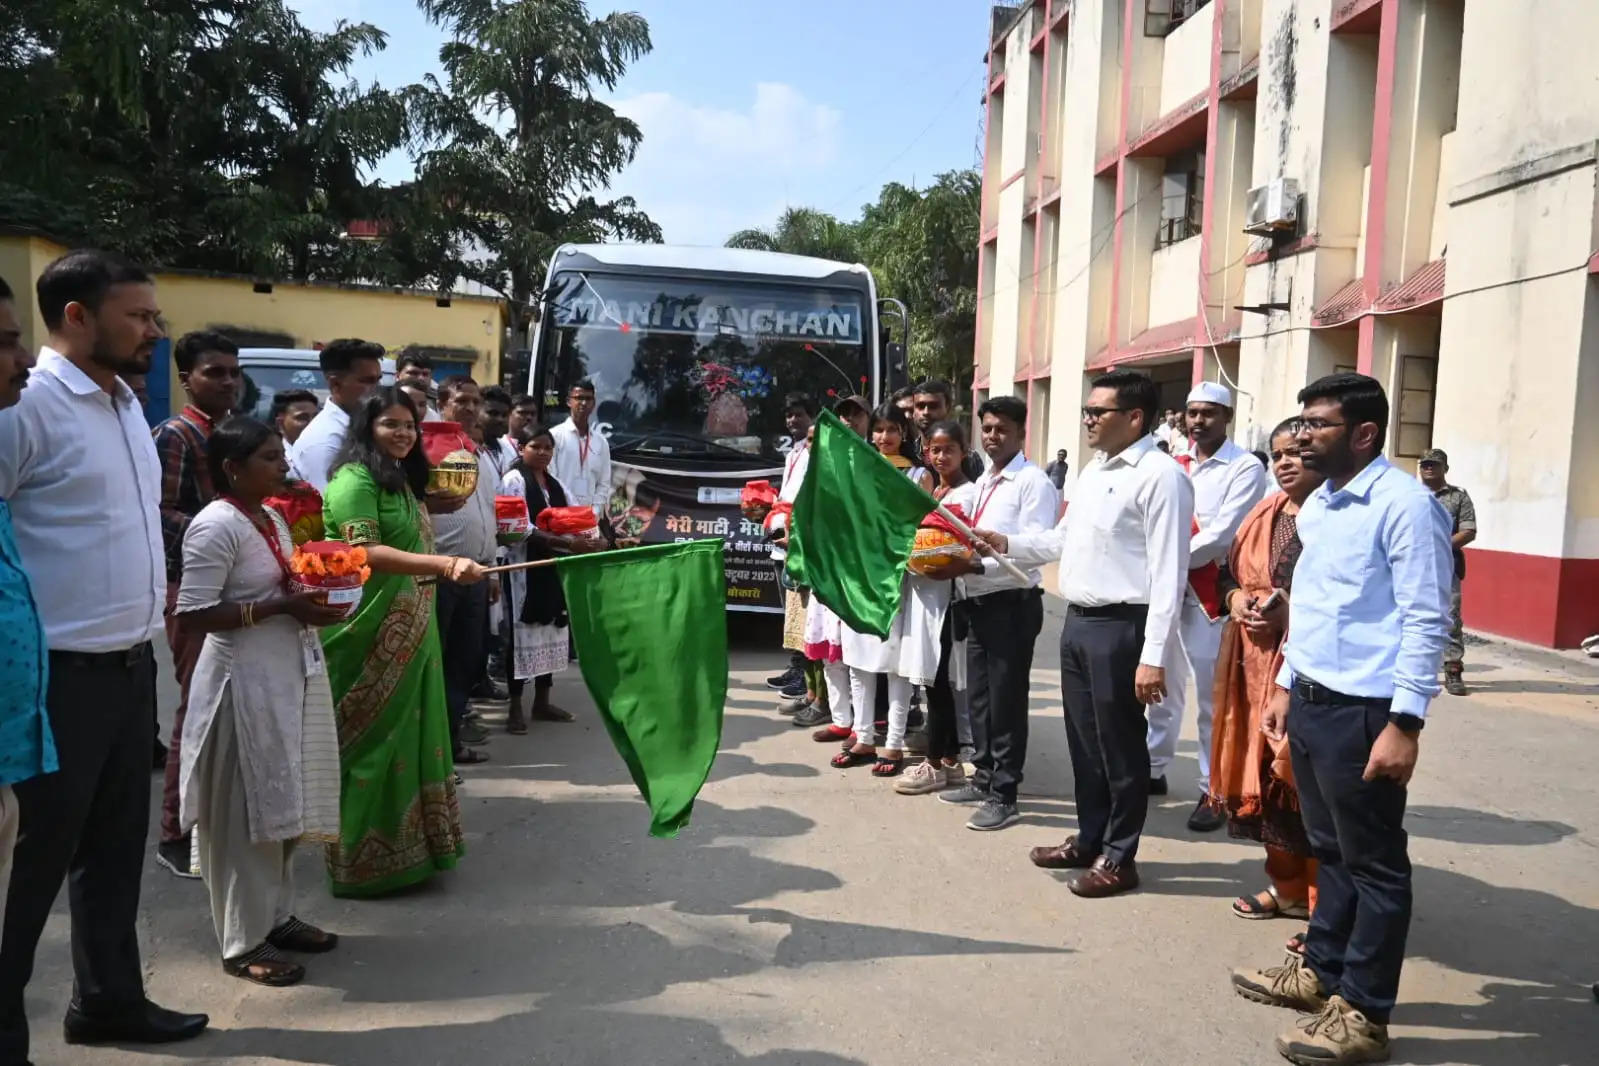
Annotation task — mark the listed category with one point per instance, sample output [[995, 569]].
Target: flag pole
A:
[[499, 569], [965, 530]]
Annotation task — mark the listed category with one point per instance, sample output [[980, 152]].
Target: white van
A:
[[269, 371]]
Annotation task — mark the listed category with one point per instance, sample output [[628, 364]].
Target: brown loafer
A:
[[1105, 878], [1063, 856]]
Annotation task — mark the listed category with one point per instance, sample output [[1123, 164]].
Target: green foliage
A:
[[921, 245]]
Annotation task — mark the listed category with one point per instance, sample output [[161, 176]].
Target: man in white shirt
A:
[[463, 610], [353, 369], [799, 414], [582, 461], [495, 421], [80, 473], [1228, 481], [1123, 552], [1001, 615]]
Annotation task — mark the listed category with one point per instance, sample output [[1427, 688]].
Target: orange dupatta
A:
[[1248, 771]]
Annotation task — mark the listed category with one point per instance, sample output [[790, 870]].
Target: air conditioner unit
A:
[[1273, 207]]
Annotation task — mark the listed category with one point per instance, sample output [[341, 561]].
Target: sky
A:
[[815, 104]]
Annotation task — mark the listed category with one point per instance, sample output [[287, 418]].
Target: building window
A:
[[1182, 198], [1161, 17], [1418, 385]]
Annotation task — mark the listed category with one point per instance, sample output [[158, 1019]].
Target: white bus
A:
[[691, 352]]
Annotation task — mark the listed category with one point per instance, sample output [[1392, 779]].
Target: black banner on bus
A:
[[664, 508]]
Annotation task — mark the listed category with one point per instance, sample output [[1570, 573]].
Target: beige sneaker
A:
[[921, 779], [1293, 984], [1339, 1036]]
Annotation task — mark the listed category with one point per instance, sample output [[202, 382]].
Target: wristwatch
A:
[[1408, 723]]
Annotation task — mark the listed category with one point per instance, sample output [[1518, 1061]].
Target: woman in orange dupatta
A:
[[1251, 777]]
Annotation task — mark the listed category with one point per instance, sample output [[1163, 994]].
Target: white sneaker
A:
[[921, 779]]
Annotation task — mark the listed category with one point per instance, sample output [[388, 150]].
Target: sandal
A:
[[515, 724], [847, 760], [1296, 944], [295, 935], [552, 713], [470, 757], [1254, 909], [886, 767], [265, 965]]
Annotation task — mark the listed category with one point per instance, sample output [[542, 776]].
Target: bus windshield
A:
[[694, 367]]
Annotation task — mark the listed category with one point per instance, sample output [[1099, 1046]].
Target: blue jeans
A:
[[1356, 942]]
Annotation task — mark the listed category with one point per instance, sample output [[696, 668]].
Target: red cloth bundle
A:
[[510, 517], [934, 520], [566, 521], [301, 508], [757, 500]]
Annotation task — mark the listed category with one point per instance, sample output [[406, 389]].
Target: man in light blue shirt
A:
[[1367, 627]]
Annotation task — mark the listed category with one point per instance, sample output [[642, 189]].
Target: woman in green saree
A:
[[399, 820]]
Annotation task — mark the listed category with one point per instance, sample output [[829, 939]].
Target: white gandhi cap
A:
[[1211, 392]]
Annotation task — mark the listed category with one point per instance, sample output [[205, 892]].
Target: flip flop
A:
[[847, 760], [888, 767]]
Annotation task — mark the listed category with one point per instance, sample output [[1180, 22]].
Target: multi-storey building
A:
[[1265, 191]]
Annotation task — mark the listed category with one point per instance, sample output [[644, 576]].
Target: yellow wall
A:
[[309, 314]]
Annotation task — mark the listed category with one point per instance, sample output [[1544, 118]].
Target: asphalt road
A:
[[810, 917]]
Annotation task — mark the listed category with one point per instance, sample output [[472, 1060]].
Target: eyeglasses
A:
[[1311, 425], [1094, 414]]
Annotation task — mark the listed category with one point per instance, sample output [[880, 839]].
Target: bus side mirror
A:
[[898, 372]]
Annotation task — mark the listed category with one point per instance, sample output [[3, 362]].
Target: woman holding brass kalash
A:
[[399, 818]]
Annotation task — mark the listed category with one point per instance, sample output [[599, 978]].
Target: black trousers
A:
[[1356, 942], [86, 824], [1003, 627], [463, 612], [943, 741], [1106, 731]]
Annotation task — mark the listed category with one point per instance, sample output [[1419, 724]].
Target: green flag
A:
[[853, 528], [651, 635]]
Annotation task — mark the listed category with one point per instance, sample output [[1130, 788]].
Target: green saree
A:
[[399, 820]]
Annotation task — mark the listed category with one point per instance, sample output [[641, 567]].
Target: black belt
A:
[[1130, 611], [126, 659], [1005, 596], [1311, 692]]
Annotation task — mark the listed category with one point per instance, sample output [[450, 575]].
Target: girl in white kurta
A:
[[540, 638], [260, 766], [902, 655]]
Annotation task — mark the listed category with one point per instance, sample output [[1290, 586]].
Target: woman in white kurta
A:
[[260, 769], [904, 654], [539, 635]]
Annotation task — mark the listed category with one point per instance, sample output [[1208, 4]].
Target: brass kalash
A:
[[452, 472]]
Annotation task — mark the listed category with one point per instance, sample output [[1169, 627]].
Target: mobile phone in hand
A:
[[1271, 601]]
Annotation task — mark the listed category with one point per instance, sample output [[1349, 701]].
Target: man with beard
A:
[[930, 405], [1228, 482], [80, 473], [208, 370], [1367, 627], [353, 369]]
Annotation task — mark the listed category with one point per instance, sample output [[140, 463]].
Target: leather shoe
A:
[[1105, 878], [1207, 817], [1158, 786], [144, 1023], [1063, 856]]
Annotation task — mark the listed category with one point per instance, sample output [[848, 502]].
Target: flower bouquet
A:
[[511, 522], [301, 508], [334, 570]]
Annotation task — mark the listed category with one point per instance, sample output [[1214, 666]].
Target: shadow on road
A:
[[1459, 825]]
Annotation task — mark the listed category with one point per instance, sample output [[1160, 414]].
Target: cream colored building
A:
[[1265, 191]]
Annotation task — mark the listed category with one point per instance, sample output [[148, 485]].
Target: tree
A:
[[922, 245], [803, 231], [214, 134], [922, 248], [517, 144]]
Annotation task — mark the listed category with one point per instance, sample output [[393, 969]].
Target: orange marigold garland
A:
[[333, 569]]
